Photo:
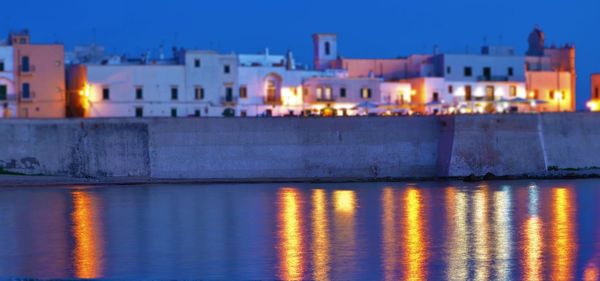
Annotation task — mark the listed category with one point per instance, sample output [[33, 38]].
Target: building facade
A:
[[32, 78], [594, 103]]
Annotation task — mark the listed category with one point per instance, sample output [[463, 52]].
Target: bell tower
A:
[[325, 51]]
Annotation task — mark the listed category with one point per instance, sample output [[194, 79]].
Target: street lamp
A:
[[558, 96]]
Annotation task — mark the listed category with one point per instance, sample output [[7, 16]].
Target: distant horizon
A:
[[379, 29]]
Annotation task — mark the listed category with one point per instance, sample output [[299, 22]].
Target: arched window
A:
[[327, 48]]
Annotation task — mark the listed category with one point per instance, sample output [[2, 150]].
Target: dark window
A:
[[536, 94], [199, 93], [551, 95], [487, 73], [229, 94], [327, 48], [468, 93], [25, 91], [450, 89], [597, 93], [1, 66], [173, 112], [468, 71], [105, 93], [139, 93], [243, 92], [226, 69], [3, 92], [343, 92], [243, 113], [174, 93], [511, 71], [197, 112], [436, 96], [197, 63], [448, 70], [25, 67], [269, 112], [139, 112]]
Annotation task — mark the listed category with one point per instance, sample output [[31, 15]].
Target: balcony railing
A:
[[272, 100], [497, 78], [30, 71], [229, 100]]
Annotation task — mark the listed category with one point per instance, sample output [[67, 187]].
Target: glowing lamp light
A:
[[593, 105], [558, 95]]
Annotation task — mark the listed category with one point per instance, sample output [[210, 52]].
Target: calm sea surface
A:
[[365, 231]]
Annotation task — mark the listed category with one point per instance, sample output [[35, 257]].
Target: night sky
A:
[[375, 28]]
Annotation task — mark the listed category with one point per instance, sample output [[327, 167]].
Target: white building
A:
[[194, 83], [8, 95], [272, 85]]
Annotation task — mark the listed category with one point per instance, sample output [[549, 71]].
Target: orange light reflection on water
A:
[[458, 240], [389, 243], [415, 241], [591, 273], [87, 235], [290, 234], [532, 239], [481, 233], [345, 204], [320, 235], [563, 234]]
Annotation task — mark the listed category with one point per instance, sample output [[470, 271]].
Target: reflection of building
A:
[[594, 103], [32, 78]]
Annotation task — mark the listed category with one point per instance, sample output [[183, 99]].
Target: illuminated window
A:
[[243, 92], [197, 63], [226, 69], [365, 93], [305, 91], [489, 92], [3, 92], [25, 64], [319, 93], [510, 71], [139, 112], [327, 48], [450, 89], [343, 92], [271, 91], [174, 93], [327, 93], [105, 93], [512, 91], [139, 93], [468, 71], [199, 93], [468, 93], [173, 112]]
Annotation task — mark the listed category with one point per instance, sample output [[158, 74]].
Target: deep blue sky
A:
[[374, 28]]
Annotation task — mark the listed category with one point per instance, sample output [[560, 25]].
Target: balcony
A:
[[272, 100], [229, 101], [493, 78], [27, 72]]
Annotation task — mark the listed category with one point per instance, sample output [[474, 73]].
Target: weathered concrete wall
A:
[[497, 144], [294, 148], [74, 147], [301, 148]]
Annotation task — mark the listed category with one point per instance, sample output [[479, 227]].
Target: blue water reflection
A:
[[496, 231]]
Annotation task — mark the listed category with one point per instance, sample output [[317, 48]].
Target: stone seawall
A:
[[301, 148]]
